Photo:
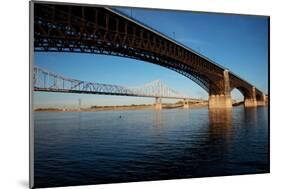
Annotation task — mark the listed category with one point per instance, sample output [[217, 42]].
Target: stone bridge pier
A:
[[251, 101], [185, 103], [223, 98], [158, 103], [261, 100], [255, 99]]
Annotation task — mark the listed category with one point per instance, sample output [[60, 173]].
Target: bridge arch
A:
[[244, 91], [104, 31], [101, 30]]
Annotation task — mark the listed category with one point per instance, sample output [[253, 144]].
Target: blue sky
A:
[[238, 43]]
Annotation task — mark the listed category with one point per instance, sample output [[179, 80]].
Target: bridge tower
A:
[[185, 103], [223, 99], [158, 103]]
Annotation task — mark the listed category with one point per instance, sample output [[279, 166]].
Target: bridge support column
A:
[[185, 103], [158, 103], [262, 102], [222, 100], [251, 101]]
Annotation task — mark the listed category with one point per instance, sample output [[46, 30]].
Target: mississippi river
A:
[[77, 148]]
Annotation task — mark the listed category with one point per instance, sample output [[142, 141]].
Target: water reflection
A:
[[101, 147], [220, 120], [250, 116], [221, 129], [157, 119]]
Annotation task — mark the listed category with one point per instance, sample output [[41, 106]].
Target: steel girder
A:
[[70, 28]]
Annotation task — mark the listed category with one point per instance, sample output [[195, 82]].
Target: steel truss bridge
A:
[[103, 30], [46, 81]]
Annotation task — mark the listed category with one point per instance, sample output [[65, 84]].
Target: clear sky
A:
[[238, 43]]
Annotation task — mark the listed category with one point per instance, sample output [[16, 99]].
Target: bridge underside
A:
[[78, 29]]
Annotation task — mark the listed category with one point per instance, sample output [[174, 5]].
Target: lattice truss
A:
[[45, 80]]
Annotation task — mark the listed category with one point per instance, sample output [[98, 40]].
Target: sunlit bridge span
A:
[[101, 30]]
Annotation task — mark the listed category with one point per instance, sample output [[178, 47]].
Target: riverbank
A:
[[121, 107]]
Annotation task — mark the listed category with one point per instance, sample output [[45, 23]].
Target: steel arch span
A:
[[102, 30]]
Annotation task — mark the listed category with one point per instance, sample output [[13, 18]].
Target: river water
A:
[[77, 148]]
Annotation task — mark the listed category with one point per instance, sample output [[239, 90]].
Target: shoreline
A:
[[118, 108]]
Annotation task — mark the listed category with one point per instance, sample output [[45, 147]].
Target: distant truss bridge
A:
[[47, 81]]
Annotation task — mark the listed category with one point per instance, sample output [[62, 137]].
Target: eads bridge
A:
[[101, 30]]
